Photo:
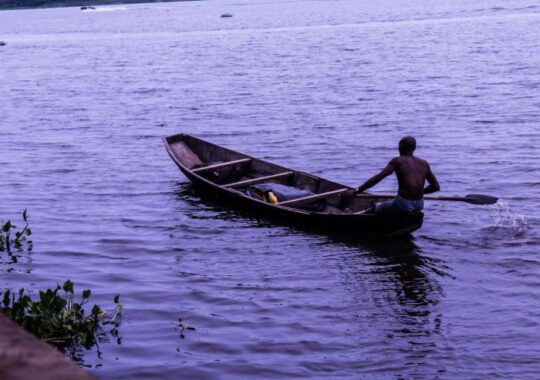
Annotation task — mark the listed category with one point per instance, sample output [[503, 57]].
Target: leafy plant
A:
[[6, 239], [58, 319]]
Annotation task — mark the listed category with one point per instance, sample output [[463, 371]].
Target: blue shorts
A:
[[399, 205]]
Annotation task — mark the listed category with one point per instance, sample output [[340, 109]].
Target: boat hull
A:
[[350, 223]]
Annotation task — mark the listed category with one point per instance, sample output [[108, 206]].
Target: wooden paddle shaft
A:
[[387, 196], [472, 198]]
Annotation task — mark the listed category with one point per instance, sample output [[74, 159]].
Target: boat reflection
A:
[[401, 261], [391, 287], [404, 285], [413, 272]]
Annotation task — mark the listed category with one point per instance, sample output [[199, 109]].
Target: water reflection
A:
[[391, 287], [413, 273], [18, 259], [405, 284], [201, 204]]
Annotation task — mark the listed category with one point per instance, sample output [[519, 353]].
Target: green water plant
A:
[[10, 237], [58, 319]]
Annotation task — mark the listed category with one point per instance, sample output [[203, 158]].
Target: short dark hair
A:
[[407, 144]]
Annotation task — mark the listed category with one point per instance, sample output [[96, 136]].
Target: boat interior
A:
[[255, 178]]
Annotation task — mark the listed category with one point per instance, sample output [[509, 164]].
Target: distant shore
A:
[[31, 4]]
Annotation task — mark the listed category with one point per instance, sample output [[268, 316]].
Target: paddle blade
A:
[[481, 199]]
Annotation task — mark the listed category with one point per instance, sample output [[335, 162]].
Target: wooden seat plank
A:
[[221, 165], [259, 179], [313, 197]]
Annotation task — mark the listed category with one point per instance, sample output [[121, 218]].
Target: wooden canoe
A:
[[229, 175]]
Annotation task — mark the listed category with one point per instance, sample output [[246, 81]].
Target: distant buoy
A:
[[224, 15]]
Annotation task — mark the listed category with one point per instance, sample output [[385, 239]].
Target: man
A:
[[411, 172]]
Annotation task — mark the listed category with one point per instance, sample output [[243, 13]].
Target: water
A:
[[328, 87]]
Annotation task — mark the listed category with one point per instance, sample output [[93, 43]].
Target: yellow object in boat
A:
[[272, 197]]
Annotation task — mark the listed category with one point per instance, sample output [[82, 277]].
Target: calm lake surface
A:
[[327, 87]]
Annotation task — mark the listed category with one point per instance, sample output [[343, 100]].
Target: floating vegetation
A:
[[182, 326], [9, 237], [58, 320]]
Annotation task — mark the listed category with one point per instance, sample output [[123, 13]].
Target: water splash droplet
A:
[[507, 221]]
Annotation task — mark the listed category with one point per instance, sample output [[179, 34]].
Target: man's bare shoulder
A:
[[422, 161], [406, 160]]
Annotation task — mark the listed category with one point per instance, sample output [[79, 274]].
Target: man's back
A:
[[411, 172]]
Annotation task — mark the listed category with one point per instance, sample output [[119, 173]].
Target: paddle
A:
[[475, 199]]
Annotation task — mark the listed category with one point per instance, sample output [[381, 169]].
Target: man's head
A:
[[407, 145]]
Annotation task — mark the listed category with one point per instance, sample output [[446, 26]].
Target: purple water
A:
[[327, 87]]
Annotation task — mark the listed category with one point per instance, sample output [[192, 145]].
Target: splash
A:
[[508, 221]]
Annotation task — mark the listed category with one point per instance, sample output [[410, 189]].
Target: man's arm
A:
[[433, 183], [389, 169]]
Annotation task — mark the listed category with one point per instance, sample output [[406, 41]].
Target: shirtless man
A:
[[411, 172]]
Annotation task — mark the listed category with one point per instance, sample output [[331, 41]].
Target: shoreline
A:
[[82, 3]]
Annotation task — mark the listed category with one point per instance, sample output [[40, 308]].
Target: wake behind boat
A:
[[288, 195]]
